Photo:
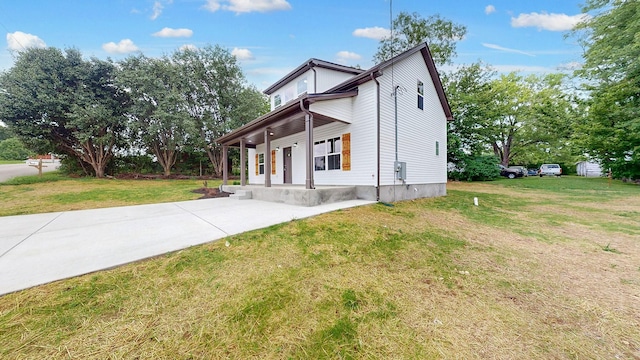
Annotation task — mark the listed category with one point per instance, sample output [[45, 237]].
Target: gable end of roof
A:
[[311, 63], [378, 70]]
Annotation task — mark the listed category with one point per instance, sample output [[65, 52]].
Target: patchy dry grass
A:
[[515, 277]]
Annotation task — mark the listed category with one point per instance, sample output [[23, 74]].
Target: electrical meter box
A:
[[400, 170]]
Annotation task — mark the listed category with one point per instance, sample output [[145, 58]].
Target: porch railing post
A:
[[267, 159], [243, 160], [308, 129], [225, 164]]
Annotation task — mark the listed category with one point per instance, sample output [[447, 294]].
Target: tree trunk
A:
[[96, 156], [216, 161], [166, 158]]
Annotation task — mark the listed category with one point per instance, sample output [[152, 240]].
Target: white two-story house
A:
[[383, 130]]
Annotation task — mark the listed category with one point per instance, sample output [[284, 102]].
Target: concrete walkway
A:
[[37, 249]]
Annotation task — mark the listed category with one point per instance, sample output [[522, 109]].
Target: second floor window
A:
[[420, 95], [302, 86], [277, 101]]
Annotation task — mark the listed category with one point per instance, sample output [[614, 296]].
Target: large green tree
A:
[[523, 119], [159, 119], [611, 132], [217, 96], [546, 135], [13, 149], [4, 132], [468, 92], [57, 101], [410, 30]]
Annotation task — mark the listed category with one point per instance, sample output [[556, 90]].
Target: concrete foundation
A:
[[392, 193], [298, 195]]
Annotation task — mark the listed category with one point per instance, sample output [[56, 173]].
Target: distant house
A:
[[383, 130], [588, 169]]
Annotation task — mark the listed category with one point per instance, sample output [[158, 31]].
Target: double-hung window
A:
[[333, 153], [327, 154], [261, 164], [319, 155], [302, 86], [420, 95], [277, 101]]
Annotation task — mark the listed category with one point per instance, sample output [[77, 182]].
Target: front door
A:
[[286, 152]]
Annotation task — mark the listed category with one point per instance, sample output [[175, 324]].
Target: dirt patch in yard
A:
[[138, 176], [208, 193]]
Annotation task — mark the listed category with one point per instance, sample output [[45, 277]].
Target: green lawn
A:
[[55, 192], [9, 162], [542, 268]]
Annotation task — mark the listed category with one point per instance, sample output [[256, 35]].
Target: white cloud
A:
[[212, 5], [522, 68], [498, 47], [490, 9], [345, 56], [123, 47], [246, 6], [158, 6], [570, 66], [157, 10], [551, 22], [188, 47], [169, 32], [242, 54], [21, 41], [376, 33]]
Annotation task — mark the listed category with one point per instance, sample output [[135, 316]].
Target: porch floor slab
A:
[[297, 194]]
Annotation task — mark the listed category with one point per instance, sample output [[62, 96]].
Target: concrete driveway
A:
[[14, 170], [37, 249]]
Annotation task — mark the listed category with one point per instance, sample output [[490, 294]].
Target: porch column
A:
[[225, 164], [243, 160], [308, 129], [267, 159]]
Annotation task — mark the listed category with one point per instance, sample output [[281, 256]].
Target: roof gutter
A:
[[311, 98], [315, 77]]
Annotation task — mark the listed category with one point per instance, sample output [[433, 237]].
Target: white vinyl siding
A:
[[293, 89], [327, 79], [298, 169], [363, 142], [340, 109], [418, 130]]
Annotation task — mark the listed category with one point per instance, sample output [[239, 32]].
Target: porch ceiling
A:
[[279, 129], [282, 128], [284, 121]]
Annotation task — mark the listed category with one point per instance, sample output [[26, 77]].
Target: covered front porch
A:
[[294, 194], [293, 118]]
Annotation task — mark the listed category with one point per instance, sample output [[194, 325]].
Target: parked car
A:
[[510, 173], [532, 172], [521, 168], [550, 169]]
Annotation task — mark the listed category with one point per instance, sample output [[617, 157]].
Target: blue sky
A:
[[272, 37]]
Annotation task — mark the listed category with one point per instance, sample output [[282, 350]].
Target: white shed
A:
[[588, 169]]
